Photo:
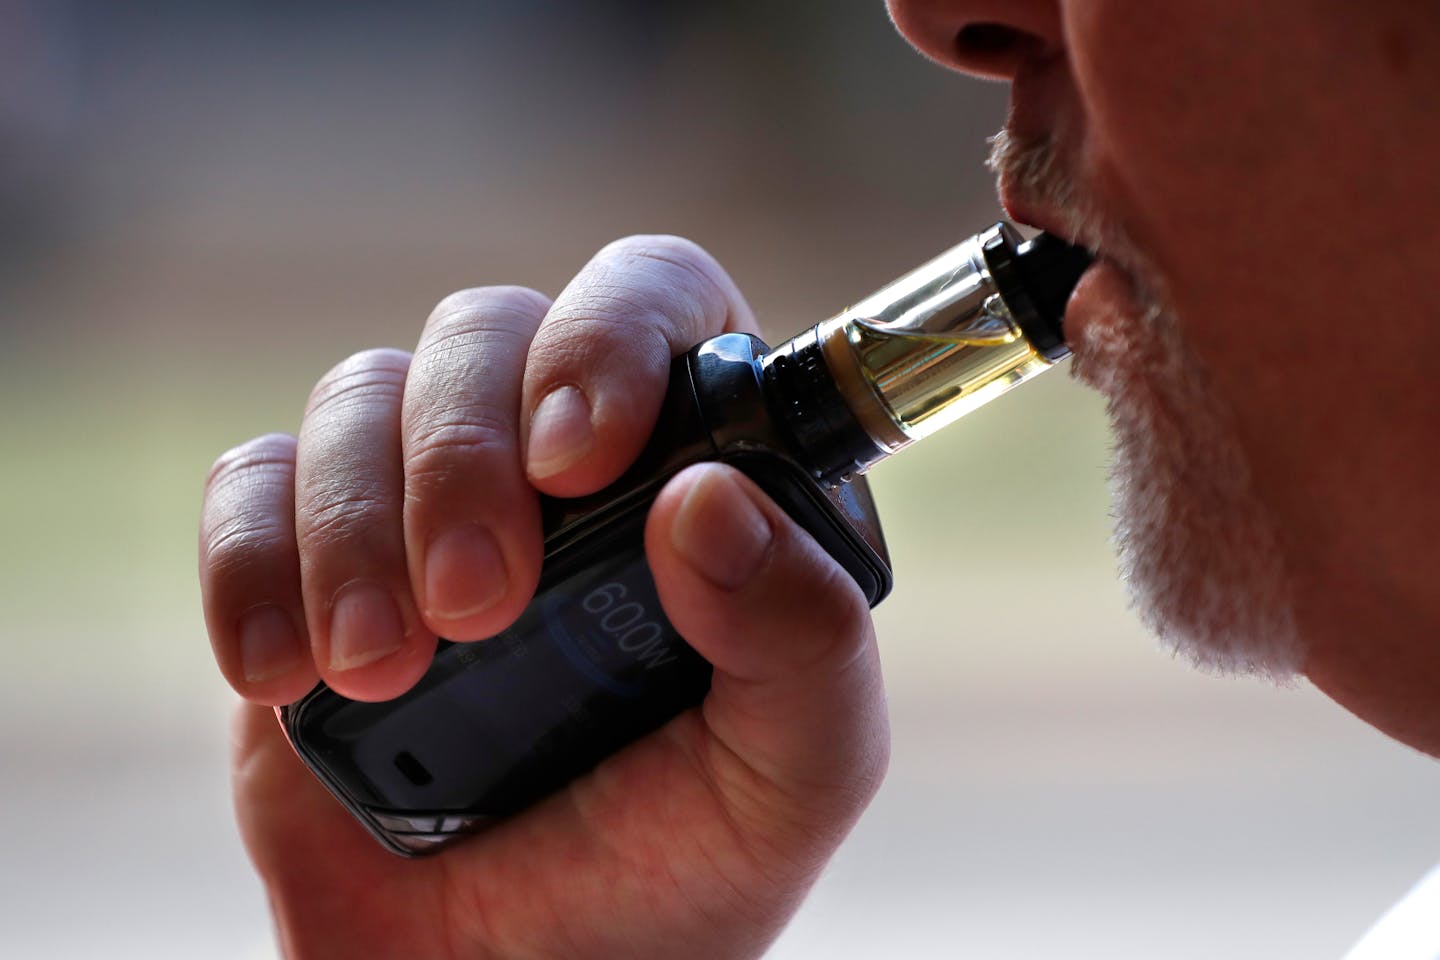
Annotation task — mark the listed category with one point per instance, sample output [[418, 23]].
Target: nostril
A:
[[986, 39]]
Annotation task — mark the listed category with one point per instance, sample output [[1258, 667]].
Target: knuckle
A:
[[269, 453], [601, 322], [249, 498], [681, 264], [240, 543], [644, 297], [446, 447], [463, 350], [661, 278], [481, 306], [335, 519], [686, 257], [364, 377], [609, 316], [678, 252]]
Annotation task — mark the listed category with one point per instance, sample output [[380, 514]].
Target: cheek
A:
[[1208, 140], [1214, 129], [1261, 157], [1182, 105], [1172, 152]]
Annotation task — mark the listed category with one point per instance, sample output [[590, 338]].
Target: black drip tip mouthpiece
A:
[[1036, 278], [1050, 268]]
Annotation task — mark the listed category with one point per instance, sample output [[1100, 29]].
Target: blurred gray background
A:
[[204, 206]]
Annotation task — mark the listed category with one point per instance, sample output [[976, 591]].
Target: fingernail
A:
[[269, 645], [365, 625], [560, 432], [464, 573], [721, 531]]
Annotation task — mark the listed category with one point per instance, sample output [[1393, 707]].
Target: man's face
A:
[[1261, 178]]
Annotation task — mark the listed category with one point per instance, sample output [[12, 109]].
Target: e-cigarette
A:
[[592, 664]]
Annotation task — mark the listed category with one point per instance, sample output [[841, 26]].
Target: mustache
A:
[[1031, 166], [1036, 168]]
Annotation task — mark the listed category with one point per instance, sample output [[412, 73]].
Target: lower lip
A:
[[1103, 290]]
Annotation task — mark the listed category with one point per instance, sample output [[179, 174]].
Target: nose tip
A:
[[987, 38]]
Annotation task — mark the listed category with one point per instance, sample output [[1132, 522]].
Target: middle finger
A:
[[472, 521]]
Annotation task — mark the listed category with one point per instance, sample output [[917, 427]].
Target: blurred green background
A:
[[204, 206]]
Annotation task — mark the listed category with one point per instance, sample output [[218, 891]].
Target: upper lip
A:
[[1040, 110], [1031, 203], [1035, 212], [1031, 211]]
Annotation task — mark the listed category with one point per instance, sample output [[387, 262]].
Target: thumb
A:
[[796, 694]]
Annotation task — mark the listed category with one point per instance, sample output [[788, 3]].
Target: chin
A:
[[1197, 550]]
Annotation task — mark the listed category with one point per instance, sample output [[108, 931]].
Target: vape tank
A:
[[592, 663]]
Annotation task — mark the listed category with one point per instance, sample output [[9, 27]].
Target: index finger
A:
[[598, 366]]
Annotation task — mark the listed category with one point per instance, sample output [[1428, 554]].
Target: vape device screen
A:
[[590, 665]]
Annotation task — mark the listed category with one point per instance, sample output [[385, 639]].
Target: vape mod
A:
[[592, 663]]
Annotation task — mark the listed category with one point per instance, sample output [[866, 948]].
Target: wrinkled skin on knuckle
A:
[[643, 299], [334, 518], [236, 528], [364, 378], [683, 261], [438, 453], [271, 450], [446, 365], [473, 332], [236, 495], [687, 289], [479, 303], [671, 277], [341, 487], [236, 544], [599, 326], [347, 495]]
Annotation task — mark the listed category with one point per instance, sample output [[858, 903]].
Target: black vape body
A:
[[592, 663]]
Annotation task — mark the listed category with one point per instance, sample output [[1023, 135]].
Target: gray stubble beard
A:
[[1198, 551]]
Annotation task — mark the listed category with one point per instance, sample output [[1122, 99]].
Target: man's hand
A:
[[406, 510]]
